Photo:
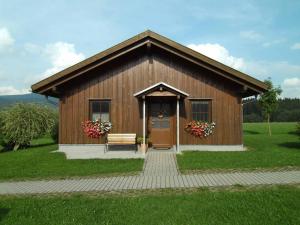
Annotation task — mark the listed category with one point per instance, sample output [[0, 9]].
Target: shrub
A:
[[2, 143], [1, 135], [140, 139], [21, 123], [54, 132]]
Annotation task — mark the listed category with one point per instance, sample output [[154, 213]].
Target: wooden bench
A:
[[120, 139]]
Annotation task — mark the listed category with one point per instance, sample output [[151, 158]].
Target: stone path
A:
[[160, 171], [160, 163]]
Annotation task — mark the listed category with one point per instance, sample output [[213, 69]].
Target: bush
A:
[[2, 143], [1, 135], [21, 123], [54, 132]]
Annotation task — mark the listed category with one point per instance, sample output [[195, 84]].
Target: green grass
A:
[[275, 205], [282, 149], [38, 162]]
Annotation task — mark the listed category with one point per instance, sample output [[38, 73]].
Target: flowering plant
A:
[[96, 129], [199, 128]]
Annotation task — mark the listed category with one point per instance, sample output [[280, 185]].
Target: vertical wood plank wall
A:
[[121, 79]]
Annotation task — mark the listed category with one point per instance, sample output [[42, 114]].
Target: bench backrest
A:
[[121, 139]]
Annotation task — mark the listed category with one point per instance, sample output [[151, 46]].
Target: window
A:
[[201, 110], [99, 110]]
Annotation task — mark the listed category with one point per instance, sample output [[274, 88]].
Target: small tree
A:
[[1, 135], [22, 123], [54, 132], [269, 101]]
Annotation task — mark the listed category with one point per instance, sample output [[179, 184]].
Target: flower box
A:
[[200, 129], [96, 129]]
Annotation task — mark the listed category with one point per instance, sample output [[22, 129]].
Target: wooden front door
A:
[[161, 124]]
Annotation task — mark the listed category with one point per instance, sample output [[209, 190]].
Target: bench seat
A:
[[120, 139]]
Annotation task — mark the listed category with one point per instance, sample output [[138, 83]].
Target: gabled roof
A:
[[148, 37], [161, 85]]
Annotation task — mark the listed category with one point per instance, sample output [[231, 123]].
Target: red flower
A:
[[199, 128], [92, 129]]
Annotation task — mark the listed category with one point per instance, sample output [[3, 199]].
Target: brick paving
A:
[[160, 163], [160, 171]]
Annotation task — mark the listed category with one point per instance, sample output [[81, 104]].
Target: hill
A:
[[6, 100]]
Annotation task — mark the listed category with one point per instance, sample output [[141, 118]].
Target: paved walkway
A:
[[160, 163], [160, 171]]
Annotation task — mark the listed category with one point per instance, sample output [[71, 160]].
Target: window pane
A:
[[155, 123], [205, 107], [195, 116], [164, 124], [105, 107], [203, 116], [105, 117], [99, 110], [200, 110], [95, 106], [95, 116], [194, 107]]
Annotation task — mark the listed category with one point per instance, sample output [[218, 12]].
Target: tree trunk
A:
[[270, 132], [16, 147]]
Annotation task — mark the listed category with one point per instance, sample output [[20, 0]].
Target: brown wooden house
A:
[[151, 86]]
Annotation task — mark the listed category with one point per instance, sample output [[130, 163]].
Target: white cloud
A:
[[274, 42], [10, 90], [61, 55], [296, 46], [6, 40], [292, 82], [281, 72], [219, 53], [250, 34], [291, 87]]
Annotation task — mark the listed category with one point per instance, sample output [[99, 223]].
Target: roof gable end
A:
[[147, 38]]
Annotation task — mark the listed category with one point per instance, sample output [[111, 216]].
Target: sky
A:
[[40, 38]]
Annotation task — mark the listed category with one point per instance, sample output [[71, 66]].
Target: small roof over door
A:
[[161, 89]]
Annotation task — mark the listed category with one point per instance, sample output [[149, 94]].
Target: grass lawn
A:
[[39, 163], [282, 149], [269, 205]]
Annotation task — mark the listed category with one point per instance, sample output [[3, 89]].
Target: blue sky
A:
[[39, 38]]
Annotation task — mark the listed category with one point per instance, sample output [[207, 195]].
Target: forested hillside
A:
[[288, 111], [6, 100]]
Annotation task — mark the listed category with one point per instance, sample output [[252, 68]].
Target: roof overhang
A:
[[161, 89], [51, 85]]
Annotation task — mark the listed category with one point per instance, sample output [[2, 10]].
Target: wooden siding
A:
[[120, 79]]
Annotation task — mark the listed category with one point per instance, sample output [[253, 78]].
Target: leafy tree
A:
[[298, 128], [21, 123], [54, 132], [2, 143], [269, 101]]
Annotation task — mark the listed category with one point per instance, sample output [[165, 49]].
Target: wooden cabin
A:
[[151, 86]]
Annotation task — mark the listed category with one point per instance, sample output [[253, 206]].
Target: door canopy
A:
[[161, 89]]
